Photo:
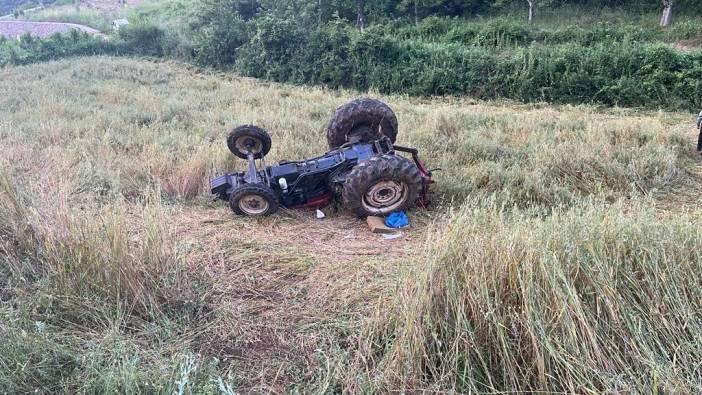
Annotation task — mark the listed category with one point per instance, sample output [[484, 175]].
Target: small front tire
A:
[[249, 138], [254, 200]]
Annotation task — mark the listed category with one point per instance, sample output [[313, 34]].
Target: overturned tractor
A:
[[364, 167]]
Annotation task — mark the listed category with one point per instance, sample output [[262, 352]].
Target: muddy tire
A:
[[249, 138], [361, 120], [382, 185], [254, 200]]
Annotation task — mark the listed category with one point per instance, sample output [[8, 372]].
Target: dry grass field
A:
[[563, 251]]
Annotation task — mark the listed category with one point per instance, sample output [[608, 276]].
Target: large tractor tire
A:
[[361, 120], [382, 185]]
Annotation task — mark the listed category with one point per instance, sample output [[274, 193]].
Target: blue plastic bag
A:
[[397, 220]]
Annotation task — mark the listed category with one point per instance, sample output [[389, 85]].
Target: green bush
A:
[[141, 39], [621, 65], [627, 75], [272, 49], [501, 32], [599, 33], [614, 73], [31, 50], [685, 30], [219, 31], [509, 31]]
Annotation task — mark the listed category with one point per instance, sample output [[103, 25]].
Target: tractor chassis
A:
[[313, 182]]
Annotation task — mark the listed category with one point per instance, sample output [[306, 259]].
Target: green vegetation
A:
[[139, 40], [84, 16], [167, 14], [605, 61], [501, 32], [560, 253], [30, 50], [612, 73]]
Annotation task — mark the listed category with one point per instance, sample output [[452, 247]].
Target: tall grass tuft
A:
[[98, 297], [18, 237], [589, 300], [110, 254]]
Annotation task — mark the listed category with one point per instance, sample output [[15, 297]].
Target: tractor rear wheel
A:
[[382, 185], [254, 200], [361, 120]]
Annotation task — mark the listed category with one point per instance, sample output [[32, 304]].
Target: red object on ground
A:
[[321, 201]]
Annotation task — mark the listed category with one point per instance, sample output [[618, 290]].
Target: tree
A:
[[306, 12], [247, 9], [219, 31], [667, 16], [361, 14], [534, 6], [416, 12]]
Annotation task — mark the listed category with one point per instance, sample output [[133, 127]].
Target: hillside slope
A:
[[119, 274], [14, 29]]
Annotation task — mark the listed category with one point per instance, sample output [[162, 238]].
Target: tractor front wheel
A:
[[254, 200], [247, 139], [382, 185]]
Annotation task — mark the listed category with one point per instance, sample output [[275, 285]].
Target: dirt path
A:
[[289, 289], [338, 237], [14, 29]]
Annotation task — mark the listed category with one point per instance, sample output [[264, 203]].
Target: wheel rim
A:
[[363, 134], [246, 144], [253, 204], [385, 196]]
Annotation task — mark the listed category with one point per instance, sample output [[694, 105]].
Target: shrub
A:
[[30, 50], [615, 73], [604, 64], [502, 32], [685, 30], [219, 32], [599, 33], [141, 39], [137, 39], [271, 50]]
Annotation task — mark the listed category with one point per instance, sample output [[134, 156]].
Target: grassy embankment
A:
[[558, 256]]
